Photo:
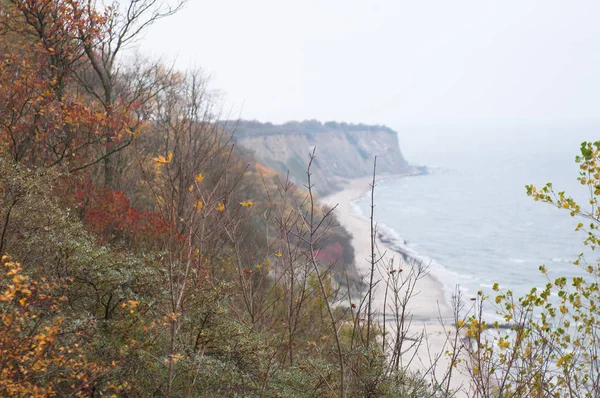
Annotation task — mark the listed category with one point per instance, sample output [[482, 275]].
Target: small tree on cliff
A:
[[552, 347]]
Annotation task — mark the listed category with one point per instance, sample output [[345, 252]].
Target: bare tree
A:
[[121, 29]]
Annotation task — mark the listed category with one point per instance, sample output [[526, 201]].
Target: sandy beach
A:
[[428, 309]]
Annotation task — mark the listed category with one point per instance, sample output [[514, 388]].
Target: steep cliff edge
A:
[[343, 151]]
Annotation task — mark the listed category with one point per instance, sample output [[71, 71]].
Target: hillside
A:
[[343, 151]]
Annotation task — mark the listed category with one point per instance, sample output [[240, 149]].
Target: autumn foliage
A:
[[47, 119], [148, 257], [38, 356], [154, 257], [110, 216]]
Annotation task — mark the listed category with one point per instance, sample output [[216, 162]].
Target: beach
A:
[[429, 313]]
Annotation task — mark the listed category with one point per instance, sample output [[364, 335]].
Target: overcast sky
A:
[[393, 62]]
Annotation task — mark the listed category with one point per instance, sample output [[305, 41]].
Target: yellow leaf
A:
[[176, 357], [278, 254], [220, 206], [163, 160], [199, 177], [199, 204], [247, 203], [504, 344], [563, 309], [191, 188]]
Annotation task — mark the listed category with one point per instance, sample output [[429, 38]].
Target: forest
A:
[[143, 252]]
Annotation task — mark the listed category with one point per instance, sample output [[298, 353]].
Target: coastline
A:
[[429, 302], [431, 315]]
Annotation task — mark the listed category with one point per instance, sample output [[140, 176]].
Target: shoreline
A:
[[429, 289], [430, 315]]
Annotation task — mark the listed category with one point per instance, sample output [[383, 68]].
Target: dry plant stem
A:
[[197, 145], [177, 298], [124, 30], [357, 330], [294, 304], [457, 306], [290, 229], [402, 290], [5, 227], [373, 262], [385, 297], [313, 230], [291, 301], [353, 314]]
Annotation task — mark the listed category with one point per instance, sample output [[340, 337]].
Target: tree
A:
[[549, 344], [65, 98]]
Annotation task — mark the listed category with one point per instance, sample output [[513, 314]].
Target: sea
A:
[[469, 217]]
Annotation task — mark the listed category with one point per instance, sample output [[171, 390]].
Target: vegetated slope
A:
[[141, 253], [344, 151]]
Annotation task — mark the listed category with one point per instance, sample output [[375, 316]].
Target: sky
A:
[[398, 63]]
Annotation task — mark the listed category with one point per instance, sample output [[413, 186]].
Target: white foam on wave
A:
[[450, 280], [355, 209], [517, 260], [435, 169], [390, 234]]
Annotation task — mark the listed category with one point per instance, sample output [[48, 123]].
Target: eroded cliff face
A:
[[343, 151]]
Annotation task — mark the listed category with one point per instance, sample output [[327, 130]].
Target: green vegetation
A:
[[142, 254], [548, 346]]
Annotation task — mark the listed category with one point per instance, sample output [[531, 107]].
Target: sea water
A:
[[470, 219]]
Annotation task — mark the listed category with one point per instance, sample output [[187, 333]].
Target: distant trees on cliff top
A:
[[249, 128]]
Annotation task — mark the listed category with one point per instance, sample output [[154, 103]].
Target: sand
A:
[[430, 313]]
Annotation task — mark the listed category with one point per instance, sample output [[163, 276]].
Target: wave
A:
[[427, 170], [355, 209], [518, 260], [450, 280]]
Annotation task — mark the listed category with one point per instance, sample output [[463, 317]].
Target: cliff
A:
[[343, 151]]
